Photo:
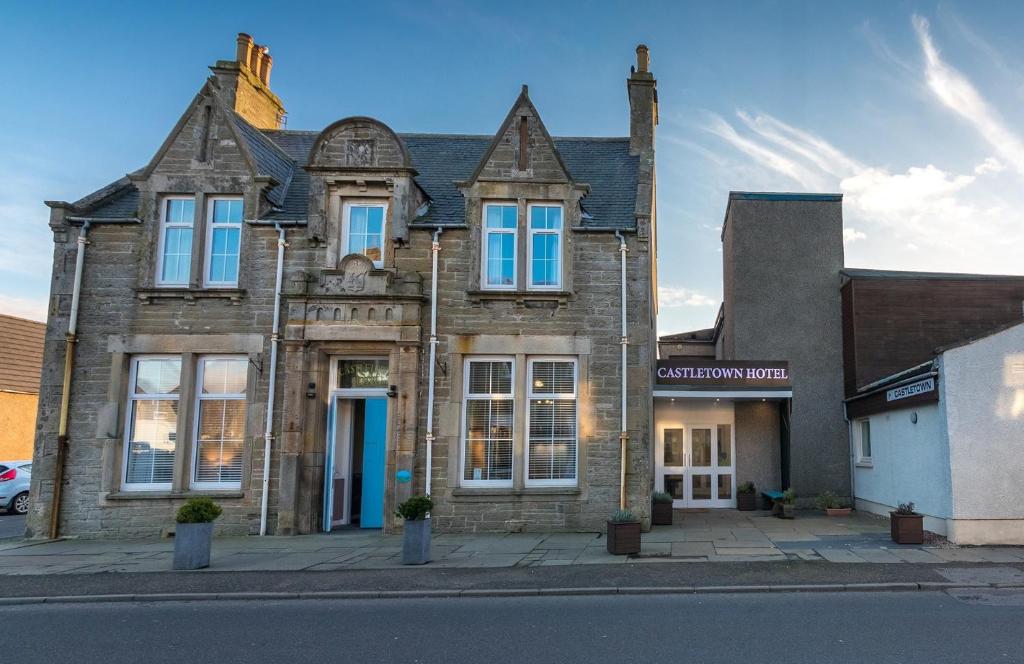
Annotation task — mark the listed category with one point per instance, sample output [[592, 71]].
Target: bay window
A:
[[499, 245], [223, 241], [545, 247], [174, 255], [487, 426], [151, 430], [551, 448]]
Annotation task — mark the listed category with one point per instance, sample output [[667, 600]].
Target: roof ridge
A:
[[22, 318]]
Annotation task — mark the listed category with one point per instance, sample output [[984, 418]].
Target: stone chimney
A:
[[643, 103], [245, 84]]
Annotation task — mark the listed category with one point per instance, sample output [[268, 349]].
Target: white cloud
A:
[[851, 235], [958, 94], [23, 307], [990, 165], [765, 156], [671, 297]]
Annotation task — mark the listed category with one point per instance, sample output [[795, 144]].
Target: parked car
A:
[[15, 477]]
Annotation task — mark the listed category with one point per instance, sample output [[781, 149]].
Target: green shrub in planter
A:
[[416, 532], [623, 533], [788, 504], [661, 511], [833, 504], [193, 536], [746, 497], [906, 525]]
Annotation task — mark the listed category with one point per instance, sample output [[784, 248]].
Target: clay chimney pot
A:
[[244, 49], [643, 58]]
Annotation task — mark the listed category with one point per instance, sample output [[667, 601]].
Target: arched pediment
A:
[[359, 143]]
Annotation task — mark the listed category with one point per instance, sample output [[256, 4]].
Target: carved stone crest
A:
[[354, 269], [359, 152]]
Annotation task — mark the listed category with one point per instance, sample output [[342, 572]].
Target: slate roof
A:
[[440, 159], [22, 360]]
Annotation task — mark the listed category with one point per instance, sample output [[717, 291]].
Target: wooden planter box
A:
[[838, 511], [786, 511], [623, 537], [906, 528], [746, 502], [661, 514]]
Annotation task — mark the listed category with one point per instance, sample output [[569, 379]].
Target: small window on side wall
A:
[[223, 241], [174, 257], [545, 247], [362, 230], [862, 435]]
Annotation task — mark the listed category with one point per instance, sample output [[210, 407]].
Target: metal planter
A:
[[192, 543], [416, 542]]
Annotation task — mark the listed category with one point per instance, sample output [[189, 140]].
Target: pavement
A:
[[697, 536], [936, 628], [11, 525]]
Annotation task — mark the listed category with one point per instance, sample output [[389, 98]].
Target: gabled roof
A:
[[22, 361], [270, 160]]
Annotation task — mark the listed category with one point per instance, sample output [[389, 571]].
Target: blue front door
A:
[[374, 443]]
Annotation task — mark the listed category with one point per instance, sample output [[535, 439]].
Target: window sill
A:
[[481, 495], [521, 297], [190, 295], [173, 495], [866, 463]]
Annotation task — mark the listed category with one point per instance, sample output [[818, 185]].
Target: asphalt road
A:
[[11, 525], [792, 628]]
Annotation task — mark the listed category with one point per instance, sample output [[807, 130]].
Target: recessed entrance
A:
[[354, 463], [696, 466]]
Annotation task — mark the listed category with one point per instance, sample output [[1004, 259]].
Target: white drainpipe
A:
[[623, 434], [435, 248], [268, 432]]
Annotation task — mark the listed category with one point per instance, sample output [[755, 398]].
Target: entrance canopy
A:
[[706, 378]]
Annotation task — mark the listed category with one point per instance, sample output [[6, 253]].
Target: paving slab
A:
[[957, 555], [913, 555], [876, 555], [746, 551], [692, 549], [840, 556]]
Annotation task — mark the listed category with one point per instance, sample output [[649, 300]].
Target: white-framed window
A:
[[488, 413], [362, 230], [223, 241], [862, 440], [219, 433], [551, 446], [500, 235], [174, 254], [151, 430], [544, 250]]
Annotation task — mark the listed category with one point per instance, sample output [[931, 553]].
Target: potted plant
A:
[[746, 497], [623, 533], [416, 533], [788, 504], [905, 525], [661, 510], [193, 536], [833, 504]]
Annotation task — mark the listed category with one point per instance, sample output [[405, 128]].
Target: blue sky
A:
[[910, 109]]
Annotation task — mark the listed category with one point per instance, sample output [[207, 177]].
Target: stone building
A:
[[319, 272]]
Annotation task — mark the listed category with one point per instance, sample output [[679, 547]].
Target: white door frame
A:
[[687, 471]]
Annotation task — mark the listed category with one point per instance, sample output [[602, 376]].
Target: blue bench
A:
[[771, 498]]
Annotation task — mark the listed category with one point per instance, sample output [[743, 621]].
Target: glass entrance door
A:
[[697, 465]]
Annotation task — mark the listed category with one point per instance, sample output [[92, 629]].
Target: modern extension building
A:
[[311, 326], [19, 385]]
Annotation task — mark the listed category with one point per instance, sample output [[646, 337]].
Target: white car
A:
[[15, 477]]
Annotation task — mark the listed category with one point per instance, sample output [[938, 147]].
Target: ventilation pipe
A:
[[623, 433], [65, 394], [435, 248], [268, 431]]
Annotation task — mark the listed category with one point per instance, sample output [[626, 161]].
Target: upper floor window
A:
[[545, 246], [151, 431], [363, 230], [499, 245], [223, 241], [174, 262]]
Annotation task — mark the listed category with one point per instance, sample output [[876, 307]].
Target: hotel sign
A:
[[706, 372], [911, 390]]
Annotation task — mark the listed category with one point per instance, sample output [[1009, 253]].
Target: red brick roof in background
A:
[[21, 354]]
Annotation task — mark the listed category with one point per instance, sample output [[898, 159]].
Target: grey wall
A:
[[781, 262], [757, 444]]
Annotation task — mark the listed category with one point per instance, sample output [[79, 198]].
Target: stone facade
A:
[[335, 304]]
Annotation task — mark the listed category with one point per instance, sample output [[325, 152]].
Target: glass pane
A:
[[357, 220], [180, 210], [502, 216], [221, 441], [725, 487], [490, 377], [545, 260], [488, 440], [553, 378], [363, 374], [865, 438], [701, 485], [700, 447], [545, 218], [177, 256], [725, 445], [157, 376], [674, 485], [151, 443], [374, 220], [501, 249], [225, 376], [673, 447], [227, 211]]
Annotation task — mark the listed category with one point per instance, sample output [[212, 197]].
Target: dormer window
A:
[[545, 247], [363, 230], [499, 245], [174, 258]]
